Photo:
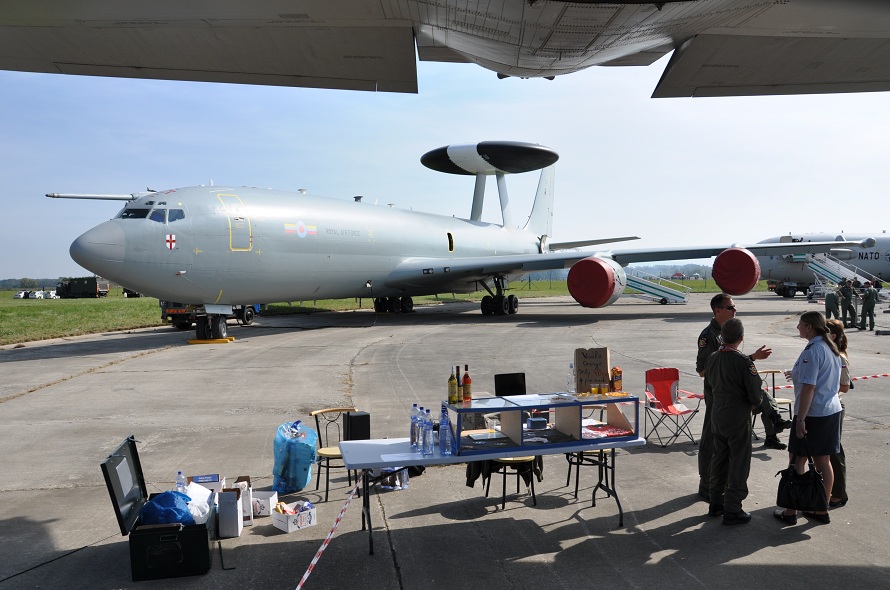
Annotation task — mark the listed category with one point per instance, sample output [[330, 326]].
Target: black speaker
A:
[[357, 426]]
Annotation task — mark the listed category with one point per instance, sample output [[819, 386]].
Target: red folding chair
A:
[[663, 406]]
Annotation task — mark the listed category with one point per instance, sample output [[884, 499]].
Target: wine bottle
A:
[[460, 385], [468, 385], [452, 389]]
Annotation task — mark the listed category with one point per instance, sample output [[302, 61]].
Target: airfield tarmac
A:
[[66, 404]]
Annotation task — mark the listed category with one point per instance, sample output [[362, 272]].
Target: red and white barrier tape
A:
[[863, 378], [326, 542]]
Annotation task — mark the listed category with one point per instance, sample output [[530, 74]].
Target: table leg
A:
[[366, 508]]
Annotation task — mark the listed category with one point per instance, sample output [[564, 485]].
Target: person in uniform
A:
[[709, 341], [735, 393], [847, 305], [831, 305], [869, 299], [838, 460]]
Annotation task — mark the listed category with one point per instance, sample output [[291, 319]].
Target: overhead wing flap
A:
[[713, 65], [373, 58]]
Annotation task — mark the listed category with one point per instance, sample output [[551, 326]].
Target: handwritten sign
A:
[[592, 367]]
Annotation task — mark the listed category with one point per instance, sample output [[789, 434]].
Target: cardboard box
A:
[[159, 550], [246, 498], [211, 481], [264, 502], [294, 522], [231, 521]]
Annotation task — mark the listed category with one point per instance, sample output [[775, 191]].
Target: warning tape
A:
[[863, 378], [326, 542]]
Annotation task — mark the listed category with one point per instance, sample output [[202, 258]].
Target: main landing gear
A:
[[496, 303], [393, 304], [211, 327]]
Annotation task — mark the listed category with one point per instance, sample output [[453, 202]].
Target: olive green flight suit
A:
[[735, 386], [869, 299], [708, 342], [831, 305]]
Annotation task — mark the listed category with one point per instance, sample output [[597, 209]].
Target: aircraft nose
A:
[[100, 250]]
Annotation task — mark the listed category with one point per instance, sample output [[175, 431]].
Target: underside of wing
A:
[[625, 257]]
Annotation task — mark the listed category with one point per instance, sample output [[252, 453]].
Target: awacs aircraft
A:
[[796, 272], [215, 247], [720, 47]]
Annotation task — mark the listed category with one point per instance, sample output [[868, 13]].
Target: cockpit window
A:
[[175, 215], [133, 213], [159, 215]]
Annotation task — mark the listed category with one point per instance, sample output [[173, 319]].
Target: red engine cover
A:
[[595, 282], [736, 271]]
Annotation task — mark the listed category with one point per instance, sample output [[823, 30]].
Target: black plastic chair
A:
[[330, 433]]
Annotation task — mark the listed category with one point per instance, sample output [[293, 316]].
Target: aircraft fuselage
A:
[[874, 260]]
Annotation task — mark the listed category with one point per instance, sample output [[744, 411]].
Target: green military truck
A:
[[82, 287]]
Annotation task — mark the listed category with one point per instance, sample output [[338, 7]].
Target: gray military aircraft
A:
[[796, 272], [720, 47], [215, 247]]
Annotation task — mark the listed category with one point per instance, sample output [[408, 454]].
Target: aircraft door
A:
[[240, 231]]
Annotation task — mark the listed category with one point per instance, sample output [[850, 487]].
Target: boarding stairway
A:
[[830, 271], [653, 288]]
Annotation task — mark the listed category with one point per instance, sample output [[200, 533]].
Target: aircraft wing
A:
[[721, 47], [427, 272]]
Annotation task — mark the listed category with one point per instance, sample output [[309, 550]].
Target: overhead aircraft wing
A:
[[429, 272]]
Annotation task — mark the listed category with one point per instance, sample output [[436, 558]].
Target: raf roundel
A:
[[489, 157]]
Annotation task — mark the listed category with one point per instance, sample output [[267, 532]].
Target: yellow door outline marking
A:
[[238, 222]]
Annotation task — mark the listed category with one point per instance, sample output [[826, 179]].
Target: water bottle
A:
[[181, 483], [570, 379], [427, 446], [296, 430], [413, 433], [418, 430], [444, 432]]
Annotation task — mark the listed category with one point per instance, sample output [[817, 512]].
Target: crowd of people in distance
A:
[[733, 389]]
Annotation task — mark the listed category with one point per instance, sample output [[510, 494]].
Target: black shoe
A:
[[780, 424], [836, 503], [773, 442], [714, 511], [822, 518], [786, 518], [737, 517]]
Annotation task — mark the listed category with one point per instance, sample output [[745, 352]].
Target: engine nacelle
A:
[[736, 271], [596, 282]]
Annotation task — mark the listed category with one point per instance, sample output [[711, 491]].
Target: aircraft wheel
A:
[[218, 327], [392, 305], [379, 306], [500, 305], [406, 304], [512, 304], [202, 328], [247, 315], [486, 305]]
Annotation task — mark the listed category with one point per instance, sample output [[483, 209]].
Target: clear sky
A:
[[672, 171]]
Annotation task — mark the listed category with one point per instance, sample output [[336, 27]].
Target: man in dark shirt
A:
[[736, 391], [709, 341], [847, 304]]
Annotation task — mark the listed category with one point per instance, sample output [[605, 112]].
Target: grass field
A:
[[26, 320]]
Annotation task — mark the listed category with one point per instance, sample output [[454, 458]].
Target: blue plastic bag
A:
[[294, 456], [167, 508]]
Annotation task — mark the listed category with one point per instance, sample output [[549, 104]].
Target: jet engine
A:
[[736, 271], [596, 282]]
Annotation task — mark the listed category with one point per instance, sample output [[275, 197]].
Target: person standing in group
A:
[[838, 495], [735, 392], [724, 309], [869, 300], [817, 409], [847, 304], [831, 304]]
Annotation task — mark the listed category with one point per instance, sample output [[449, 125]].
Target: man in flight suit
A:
[[708, 342], [736, 391], [869, 299], [831, 305], [847, 306]]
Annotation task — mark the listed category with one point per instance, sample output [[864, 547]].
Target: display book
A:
[[572, 420], [158, 550]]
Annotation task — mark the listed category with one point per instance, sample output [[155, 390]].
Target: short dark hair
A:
[[732, 331], [717, 299]]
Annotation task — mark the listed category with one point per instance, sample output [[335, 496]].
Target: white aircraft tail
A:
[[540, 220]]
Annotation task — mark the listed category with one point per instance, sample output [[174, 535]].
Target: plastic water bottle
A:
[[444, 432], [427, 446], [413, 433], [570, 379], [181, 483], [296, 430], [418, 430]]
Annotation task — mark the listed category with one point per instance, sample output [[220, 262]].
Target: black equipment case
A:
[[159, 550]]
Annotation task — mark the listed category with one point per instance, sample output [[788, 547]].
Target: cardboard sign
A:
[[592, 367]]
